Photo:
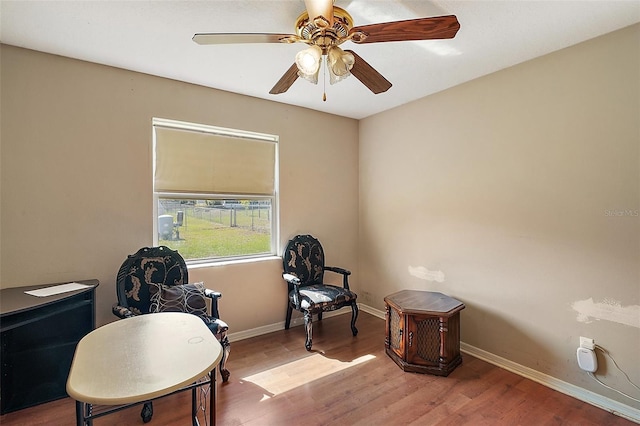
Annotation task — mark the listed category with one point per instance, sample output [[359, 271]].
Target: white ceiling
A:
[[154, 37]]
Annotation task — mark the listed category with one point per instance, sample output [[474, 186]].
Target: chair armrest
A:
[[294, 282], [212, 293], [337, 270], [214, 296], [345, 274], [121, 311], [291, 279]]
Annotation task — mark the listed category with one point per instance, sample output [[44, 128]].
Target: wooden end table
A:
[[423, 331]]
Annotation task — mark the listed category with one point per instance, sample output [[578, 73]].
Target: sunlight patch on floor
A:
[[300, 372]]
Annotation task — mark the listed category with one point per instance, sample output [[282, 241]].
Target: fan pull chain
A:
[[324, 84]]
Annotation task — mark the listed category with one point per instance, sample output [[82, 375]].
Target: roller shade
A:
[[196, 162]]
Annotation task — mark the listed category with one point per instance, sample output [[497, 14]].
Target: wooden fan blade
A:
[[439, 27], [368, 75], [235, 38], [285, 81], [316, 8]]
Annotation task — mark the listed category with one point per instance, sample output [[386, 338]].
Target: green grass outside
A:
[[206, 233]]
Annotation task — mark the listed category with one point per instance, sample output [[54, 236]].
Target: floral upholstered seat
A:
[[155, 279], [303, 262]]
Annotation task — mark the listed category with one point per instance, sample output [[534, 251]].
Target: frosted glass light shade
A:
[[308, 62], [339, 63]]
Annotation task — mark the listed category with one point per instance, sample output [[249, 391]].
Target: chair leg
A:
[[308, 325], [354, 317], [226, 350], [147, 412], [287, 321], [320, 316]]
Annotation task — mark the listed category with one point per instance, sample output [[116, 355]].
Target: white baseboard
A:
[[241, 335], [372, 311], [574, 391], [579, 393]]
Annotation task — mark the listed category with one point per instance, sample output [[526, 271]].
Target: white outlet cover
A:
[[587, 360], [587, 343]]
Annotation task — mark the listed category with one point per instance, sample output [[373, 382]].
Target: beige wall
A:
[[76, 178], [511, 185], [523, 189]]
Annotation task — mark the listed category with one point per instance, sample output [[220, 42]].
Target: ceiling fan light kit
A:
[[308, 62], [329, 28], [339, 63]]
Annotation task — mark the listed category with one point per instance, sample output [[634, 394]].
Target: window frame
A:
[[225, 132]]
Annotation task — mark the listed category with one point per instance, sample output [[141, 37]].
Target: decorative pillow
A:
[[187, 298]]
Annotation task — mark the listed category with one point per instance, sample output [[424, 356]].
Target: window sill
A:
[[227, 262]]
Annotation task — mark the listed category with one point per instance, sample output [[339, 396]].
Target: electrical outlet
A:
[[587, 343]]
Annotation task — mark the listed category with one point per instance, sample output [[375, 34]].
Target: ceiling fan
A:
[[323, 27]]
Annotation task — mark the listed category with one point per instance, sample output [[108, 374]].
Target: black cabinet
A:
[[38, 338]]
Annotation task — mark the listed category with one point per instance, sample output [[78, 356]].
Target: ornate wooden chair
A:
[[303, 261], [155, 279]]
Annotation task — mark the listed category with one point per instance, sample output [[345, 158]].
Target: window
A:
[[215, 191]]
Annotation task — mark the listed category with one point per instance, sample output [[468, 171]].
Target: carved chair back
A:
[[149, 267], [304, 258]]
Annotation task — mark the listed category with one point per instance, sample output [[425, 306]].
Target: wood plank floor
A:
[[349, 381]]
